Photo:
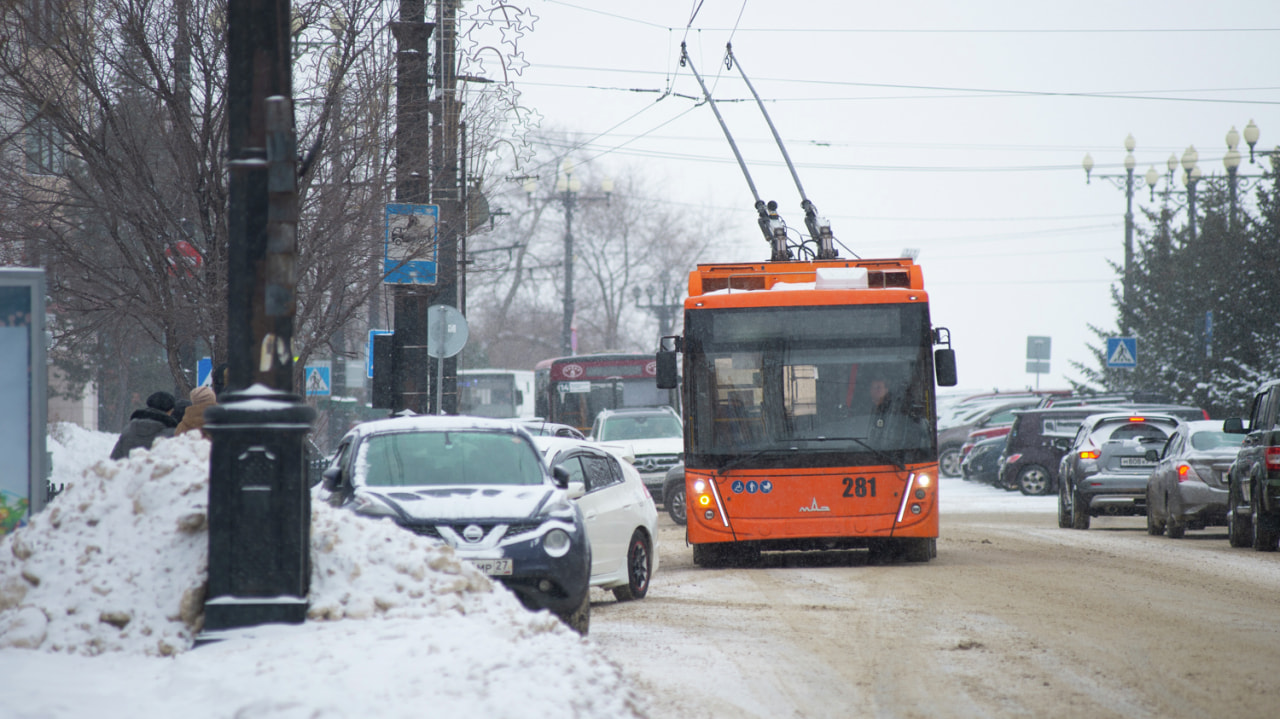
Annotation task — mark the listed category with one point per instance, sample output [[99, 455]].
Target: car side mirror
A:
[[575, 490], [1233, 425], [560, 476], [1061, 443], [332, 478], [1152, 455], [944, 366]]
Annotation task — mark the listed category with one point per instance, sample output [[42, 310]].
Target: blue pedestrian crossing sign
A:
[[1122, 352], [317, 381]]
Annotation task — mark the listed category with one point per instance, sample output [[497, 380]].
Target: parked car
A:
[[982, 463], [1106, 468], [543, 428], [951, 439], [480, 486], [1034, 447], [1254, 481], [673, 491], [622, 522], [1188, 487], [980, 435], [654, 436]]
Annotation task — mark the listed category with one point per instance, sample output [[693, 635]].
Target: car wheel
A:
[[676, 505], [710, 555], [1033, 480], [1264, 538], [1079, 511], [1154, 526], [579, 620], [639, 565], [1239, 533], [949, 462], [919, 550], [1064, 507]]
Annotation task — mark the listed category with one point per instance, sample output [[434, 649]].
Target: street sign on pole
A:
[[447, 334], [318, 380], [1038, 351], [409, 246], [1122, 352]]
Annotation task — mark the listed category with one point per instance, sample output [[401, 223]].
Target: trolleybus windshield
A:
[[848, 385]]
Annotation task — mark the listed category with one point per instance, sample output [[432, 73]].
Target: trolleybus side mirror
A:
[[668, 369], [944, 366]]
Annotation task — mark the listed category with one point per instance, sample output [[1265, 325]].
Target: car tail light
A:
[[1273, 458], [1185, 472], [1013, 458], [1090, 453], [1137, 419]]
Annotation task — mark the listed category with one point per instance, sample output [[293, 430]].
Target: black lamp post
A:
[[1127, 183]]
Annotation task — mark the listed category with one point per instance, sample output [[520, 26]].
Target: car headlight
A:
[[556, 542]]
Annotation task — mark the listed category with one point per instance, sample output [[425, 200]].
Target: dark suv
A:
[[1105, 470], [951, 439], [1253, 501], [1035, 446]]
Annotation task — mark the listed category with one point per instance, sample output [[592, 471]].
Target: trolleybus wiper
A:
[[902, 467], [748, 457], [775, 231], [819, 227]]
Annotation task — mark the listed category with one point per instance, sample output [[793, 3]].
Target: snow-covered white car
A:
[[621, 519], [653, 436]]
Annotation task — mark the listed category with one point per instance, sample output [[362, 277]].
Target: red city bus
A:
[[810, 410], [572, 390]]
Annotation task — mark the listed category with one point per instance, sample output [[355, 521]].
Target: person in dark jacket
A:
[[154, 420]]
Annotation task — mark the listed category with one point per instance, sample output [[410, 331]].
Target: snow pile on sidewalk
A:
[[113, 573], [117, 561]]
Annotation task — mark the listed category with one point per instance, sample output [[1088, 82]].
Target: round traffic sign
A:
[[446, 331]]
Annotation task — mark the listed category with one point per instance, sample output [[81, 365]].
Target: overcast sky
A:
[[954, 129]]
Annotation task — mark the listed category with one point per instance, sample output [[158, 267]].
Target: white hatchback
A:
[[620, 516]]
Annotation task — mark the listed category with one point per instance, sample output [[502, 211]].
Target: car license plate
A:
[[493, 567], [1136, 462]]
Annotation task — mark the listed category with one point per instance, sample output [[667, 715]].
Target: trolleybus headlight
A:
[[556, 543], [699, 487], [923, 480]]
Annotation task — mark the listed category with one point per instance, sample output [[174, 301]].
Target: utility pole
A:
[[410, 380], [446, 114]]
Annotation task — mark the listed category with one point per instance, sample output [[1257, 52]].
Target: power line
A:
[[970, 91], [921, 31]]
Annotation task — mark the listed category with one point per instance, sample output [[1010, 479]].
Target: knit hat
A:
[[162, 401]]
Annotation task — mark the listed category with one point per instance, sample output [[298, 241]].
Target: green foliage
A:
[[1225, 268]]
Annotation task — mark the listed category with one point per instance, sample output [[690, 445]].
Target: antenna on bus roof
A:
[[775, 231], [819, 228]]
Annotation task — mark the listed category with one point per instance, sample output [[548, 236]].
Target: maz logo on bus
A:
[[860, 487]]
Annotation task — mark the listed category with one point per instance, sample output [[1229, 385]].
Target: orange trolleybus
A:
[[808, 398]]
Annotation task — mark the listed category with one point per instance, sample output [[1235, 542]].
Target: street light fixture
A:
[[1189, 159], [1126, 182], [664, 302]]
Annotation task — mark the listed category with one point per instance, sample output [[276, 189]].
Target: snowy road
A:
[[1014, 618]]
